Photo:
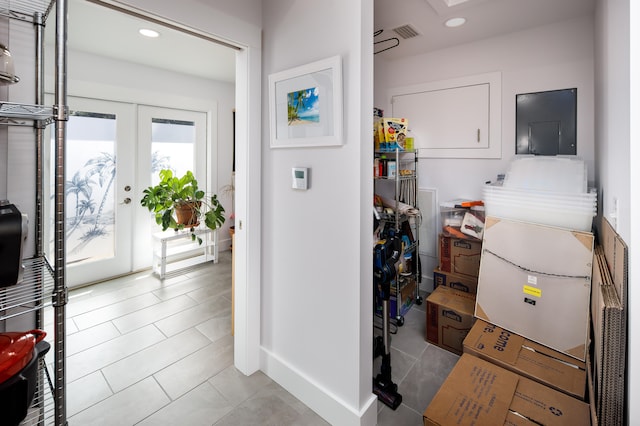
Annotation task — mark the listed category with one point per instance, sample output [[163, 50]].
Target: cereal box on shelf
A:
[[395, 132]]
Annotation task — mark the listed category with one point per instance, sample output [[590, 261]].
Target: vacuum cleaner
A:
[[385, 256]]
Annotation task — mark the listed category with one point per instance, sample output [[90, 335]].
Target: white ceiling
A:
[[97, 29], [485, 18]]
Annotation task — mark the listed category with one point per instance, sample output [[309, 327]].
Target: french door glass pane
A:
[[89, 187], [172, 147]]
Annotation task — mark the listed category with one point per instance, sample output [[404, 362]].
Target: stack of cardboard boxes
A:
[[484, 291], [451, 305], [504, 378], [478, 392], [608, 363], [525, 359]]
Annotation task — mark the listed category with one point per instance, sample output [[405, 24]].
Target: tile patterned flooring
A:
[[417, 367], [144, 351]]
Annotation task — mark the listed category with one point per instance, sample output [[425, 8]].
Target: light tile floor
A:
[[417, 367], [145, 351]]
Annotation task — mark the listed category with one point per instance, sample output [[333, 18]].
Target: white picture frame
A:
[[305, 105]]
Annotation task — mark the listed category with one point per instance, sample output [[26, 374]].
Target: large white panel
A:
[[535, 281]]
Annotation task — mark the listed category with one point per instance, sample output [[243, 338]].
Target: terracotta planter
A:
[[187, 214]]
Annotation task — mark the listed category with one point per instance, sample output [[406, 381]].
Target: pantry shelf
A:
[[33, 293]]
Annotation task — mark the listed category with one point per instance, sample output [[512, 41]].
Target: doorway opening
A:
[[246, 60]]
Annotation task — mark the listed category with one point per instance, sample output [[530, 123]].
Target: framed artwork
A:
[[305, 105]]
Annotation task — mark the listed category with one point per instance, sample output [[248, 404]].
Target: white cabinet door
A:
[[457, 118]]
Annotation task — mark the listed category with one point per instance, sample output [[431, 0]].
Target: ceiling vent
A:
[[406, 31]]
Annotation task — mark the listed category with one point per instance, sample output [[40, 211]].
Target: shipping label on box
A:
[[460, 256], [449, 318], [535, 281], [477, 392], [526, 358], [456, 281]]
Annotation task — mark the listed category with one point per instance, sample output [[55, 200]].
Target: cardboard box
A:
[[535, 280], [526, 358], [449, 318], [407, 297], [609, 335], [456, 281], [477, 392], [460, 256]]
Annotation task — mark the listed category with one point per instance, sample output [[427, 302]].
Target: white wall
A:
[[316, 289], [613, 117], [556, 56], [617, 153]]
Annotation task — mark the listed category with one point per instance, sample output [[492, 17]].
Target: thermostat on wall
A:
[[300, 176]]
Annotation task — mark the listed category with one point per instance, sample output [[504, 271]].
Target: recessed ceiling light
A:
[[455, 22], [149, 33]]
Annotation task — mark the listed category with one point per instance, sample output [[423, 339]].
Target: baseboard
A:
[[427, 284], [325, 404], [428, 263]]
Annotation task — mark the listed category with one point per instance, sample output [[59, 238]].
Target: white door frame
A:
[[248, 205]]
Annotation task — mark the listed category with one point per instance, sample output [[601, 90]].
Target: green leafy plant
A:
[[175, 194]]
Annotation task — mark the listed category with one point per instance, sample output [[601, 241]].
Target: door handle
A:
[[127, 200]]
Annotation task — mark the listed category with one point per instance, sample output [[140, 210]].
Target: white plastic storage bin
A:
[[560, 174], [565, 210]]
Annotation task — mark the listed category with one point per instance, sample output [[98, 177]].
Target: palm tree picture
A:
[[303, 107]]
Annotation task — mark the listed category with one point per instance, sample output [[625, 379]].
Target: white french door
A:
[[167, 139], [99, 180], [111, 150]]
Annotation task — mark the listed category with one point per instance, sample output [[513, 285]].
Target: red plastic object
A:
[[16, 350]]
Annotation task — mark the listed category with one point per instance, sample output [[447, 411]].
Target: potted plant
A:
[[178, 203]]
